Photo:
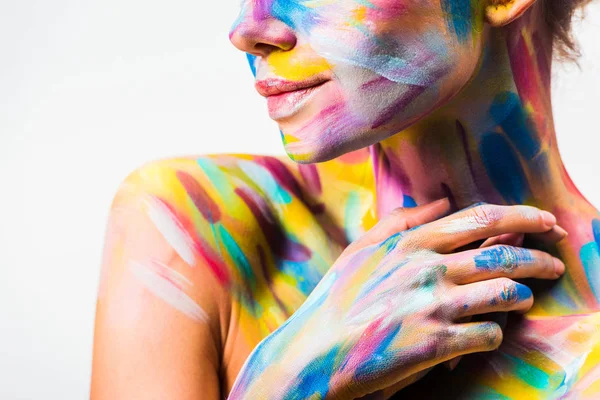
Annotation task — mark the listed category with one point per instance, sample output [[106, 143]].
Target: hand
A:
[[388, 308]]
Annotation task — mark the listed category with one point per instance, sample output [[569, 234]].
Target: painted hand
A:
[[389, 308]]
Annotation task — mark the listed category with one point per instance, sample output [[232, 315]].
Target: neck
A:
[[495, 142]]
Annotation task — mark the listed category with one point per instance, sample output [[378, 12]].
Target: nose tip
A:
[[260, 37]]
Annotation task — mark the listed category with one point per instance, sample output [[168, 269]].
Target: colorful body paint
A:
[[170, 286], [493, 142], [503, 257], [265, 231], [355, 50], [459, 16]]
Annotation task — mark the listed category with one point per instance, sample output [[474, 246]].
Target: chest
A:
[[540, 358]]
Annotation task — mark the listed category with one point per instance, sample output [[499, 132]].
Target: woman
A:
[[427, 182]]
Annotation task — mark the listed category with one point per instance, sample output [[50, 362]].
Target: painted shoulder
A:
[[250, 219]]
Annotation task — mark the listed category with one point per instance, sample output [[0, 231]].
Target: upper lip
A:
[[275, 86]]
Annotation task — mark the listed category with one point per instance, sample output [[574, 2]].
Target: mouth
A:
[[286, 98]]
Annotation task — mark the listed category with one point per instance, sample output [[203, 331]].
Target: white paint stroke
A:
[[465, 224], [171, 229], [168, 285]]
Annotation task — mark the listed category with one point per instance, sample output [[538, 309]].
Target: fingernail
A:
[[439, 201], [452, 364], [523, 292], [520, 241], [549, 219], [559, 266], [561, 232]]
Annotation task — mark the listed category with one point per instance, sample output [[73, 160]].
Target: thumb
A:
[[402, 219]]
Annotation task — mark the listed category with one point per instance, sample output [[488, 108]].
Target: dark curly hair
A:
[[559, 16]]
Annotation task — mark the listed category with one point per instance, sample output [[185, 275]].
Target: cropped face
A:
[[344, 74]]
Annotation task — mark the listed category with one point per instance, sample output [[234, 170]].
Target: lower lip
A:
[[287, 104]]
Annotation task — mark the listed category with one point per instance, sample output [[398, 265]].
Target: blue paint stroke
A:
[[266, 182], [306, 278], [515, 294], [379, 357], [590, 258], [504, 168], [271, 348], [523, 292], [238, 256], [313, 381], [390, 243], [529, 374], [294, 14], [459, 17], [252, 62], [509, 114], [373, 283], [596, 230], [502, 257]]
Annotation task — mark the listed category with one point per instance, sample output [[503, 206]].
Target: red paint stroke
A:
[[202, 249], [310, 176], [281, 174], [203, 202]]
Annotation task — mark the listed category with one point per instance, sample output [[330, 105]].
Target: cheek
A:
[[386, 41], [382, 83]]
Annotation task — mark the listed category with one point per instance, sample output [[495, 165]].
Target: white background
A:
[[89, 90]]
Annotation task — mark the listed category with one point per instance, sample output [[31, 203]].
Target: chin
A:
[[322, 142], [315, 151], [336, 133]]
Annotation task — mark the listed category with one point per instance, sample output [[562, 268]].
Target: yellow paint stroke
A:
[[318, 3], [298, 64]]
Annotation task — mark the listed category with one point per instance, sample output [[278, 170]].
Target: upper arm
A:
[[157, 332]]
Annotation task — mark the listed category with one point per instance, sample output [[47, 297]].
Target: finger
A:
[[550, 238], [402, 219], [511, 239], [475, 337], [482, 222], [452, 364], [496, 295], [501, 261]]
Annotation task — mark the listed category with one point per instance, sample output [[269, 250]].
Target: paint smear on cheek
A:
[[418, 61], [168, 285], [372, 35]]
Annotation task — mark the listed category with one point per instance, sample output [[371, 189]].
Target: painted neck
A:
[[495, 143]]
